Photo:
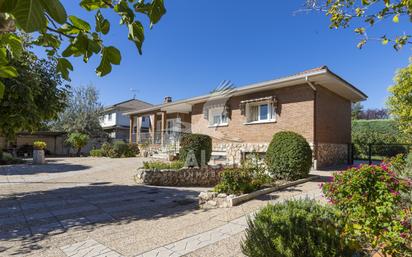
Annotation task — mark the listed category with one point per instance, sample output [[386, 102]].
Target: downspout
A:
[[315, 143]]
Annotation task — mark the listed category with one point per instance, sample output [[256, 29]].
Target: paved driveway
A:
[[92, 207]]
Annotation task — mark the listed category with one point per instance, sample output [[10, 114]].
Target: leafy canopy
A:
[[82, 113], [63, 35], [34, 97], [342, 13], [400, 100]]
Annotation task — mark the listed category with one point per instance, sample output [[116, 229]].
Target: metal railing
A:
[[171, 140]]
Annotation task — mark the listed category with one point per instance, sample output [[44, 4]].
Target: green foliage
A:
[[357, 109], [402, 166], [241, 180], [82, 113], [78, 141], [235, 181], [107, 149], [372, 210], [39, 145], [195, 149], [366, 132], [35, 96], [8, 159], [289, 156], [119, 149], [54, 28], [159, 165], [343, 13], [96, 153], [300, 228], [400, 100]]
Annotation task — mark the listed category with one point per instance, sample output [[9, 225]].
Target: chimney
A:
[[168, 99]]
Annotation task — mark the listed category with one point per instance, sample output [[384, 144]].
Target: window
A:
[[260, 112], [218, 117], [109, 117]]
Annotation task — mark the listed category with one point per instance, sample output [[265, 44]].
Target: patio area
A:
[[92, 207]]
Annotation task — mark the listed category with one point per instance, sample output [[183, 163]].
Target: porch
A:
[[161, 128]]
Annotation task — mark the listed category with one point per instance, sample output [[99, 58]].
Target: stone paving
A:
[[92, 207]]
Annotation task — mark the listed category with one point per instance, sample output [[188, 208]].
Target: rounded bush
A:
[[194, 146], [120, 149], [300, 228], [96, 153], [289, 156]]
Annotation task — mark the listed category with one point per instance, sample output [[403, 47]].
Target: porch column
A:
[[131, 129], [163, 128], [137, 129]]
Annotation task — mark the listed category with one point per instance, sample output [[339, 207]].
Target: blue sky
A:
[[199, 43]]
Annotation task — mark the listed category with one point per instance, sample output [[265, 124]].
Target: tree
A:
[[82, 113], [357, 109], [400, 100], [78, 141], [374, 114], [35, 96], [55, 28], [344, 12]]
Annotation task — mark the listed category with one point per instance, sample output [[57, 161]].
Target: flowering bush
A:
[[39, 145], [372, 210]]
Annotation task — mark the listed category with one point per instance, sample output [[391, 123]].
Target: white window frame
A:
[[217, 111], [271, 113]]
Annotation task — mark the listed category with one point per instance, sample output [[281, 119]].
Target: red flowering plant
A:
[[373, 215]]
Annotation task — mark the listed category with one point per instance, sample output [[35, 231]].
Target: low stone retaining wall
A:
[[209, 200], [203, 177]]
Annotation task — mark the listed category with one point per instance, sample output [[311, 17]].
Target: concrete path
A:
[[92, 207]]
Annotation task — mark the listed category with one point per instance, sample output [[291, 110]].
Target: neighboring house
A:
[[315, 103], [115, 123]]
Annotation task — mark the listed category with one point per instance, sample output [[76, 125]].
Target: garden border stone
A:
[[210, 200], [185, 177]]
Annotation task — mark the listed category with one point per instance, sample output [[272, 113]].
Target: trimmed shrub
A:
[[158, 165], [196, 145], [369, 198], [96, 153], [39, 145], [300, 228], [289, 156], [120, 149]]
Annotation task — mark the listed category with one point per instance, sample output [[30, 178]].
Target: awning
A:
[[270, 99], [216, 103]]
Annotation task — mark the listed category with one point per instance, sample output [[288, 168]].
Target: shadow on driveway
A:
[[32, 217], [29, 169]]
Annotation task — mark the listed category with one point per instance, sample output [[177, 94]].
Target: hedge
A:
[[365, 132], [196, 144]]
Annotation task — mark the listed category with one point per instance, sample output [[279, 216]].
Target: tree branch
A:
[[60, 33]]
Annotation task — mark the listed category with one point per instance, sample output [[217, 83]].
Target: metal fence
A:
[[376, 152]]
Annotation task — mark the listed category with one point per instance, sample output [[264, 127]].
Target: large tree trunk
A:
[[78, 152]]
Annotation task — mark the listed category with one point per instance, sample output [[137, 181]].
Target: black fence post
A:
[[370, 153]]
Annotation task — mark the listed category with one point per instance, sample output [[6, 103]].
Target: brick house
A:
[[315, 103]]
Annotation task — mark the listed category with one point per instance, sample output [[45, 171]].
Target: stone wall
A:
[[234, 151], [331, 154], [204, 177]]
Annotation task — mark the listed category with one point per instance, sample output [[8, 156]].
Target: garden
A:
[[369, 214]]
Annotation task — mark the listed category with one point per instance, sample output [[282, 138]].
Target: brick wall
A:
[[295, 113], [333, 118]]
